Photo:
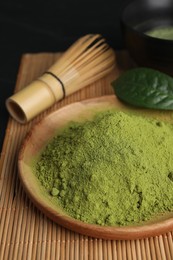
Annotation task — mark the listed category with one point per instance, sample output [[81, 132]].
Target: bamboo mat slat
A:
[[25, 232]]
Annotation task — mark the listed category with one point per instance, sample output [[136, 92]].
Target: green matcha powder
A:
[[161, 32], [114, 170]]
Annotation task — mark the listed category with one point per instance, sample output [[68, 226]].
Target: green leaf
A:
[[145, 87]]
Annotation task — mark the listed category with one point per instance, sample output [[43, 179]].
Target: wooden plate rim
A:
[[120, 233]]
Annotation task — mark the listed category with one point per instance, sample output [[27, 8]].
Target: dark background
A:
[[49, 26]]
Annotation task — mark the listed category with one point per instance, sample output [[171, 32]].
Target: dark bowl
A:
[[137, 18]]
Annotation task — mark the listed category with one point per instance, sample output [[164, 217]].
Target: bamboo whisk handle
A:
[[33, 99]]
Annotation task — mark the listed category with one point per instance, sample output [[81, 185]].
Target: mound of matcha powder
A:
[[114, 170]]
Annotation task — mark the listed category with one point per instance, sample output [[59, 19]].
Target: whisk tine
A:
[[83, 45], [90, 69], [72, 52], [87, 60], [90, 61], [83, 59], [74, 49], [88, 52]]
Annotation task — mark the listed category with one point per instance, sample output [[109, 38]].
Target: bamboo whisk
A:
[[87, 60]]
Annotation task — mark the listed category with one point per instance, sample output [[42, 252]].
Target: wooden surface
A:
[[25, 232]]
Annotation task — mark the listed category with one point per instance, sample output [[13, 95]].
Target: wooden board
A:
[[25, 232]]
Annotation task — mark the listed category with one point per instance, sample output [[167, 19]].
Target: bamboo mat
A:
[[25, 233]]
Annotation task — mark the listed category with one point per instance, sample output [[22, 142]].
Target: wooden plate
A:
[[40, 135]]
